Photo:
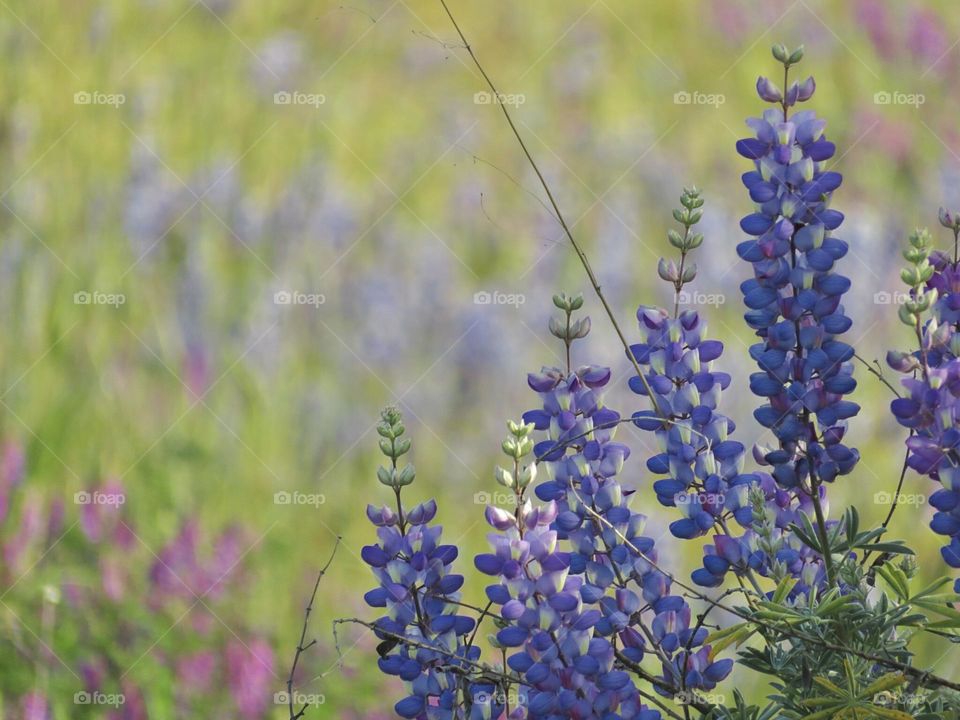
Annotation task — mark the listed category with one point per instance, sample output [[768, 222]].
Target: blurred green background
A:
[[234, 230]]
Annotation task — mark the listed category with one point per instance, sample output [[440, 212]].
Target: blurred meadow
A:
[[232, 231]]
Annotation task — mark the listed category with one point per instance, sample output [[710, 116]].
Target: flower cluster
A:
[[794, 304], [422, 633], [931, 408], [580, 602], [619, 564], [704, 467], [794, 298]]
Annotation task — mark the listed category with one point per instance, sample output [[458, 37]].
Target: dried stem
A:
[[295, 715]]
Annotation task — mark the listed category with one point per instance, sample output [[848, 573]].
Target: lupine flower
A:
[[418, 592], [617, 562], [794, 297], [704, 467], [931, 408]]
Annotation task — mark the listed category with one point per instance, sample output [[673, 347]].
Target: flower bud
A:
[[780, 52], [558, 328], [504, 477], [807, 88], [949, 219], [580, 329], [796, 56], [768, 91], [386, 476], [676, 239], [528, 473], [793, 93], [907, 317], [407, 475], [667, 270], [901, 361]]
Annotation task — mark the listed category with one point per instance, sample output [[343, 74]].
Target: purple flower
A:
[[250, 676], [794, 297]]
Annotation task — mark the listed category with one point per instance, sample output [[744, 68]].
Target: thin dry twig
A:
[[295, 715]]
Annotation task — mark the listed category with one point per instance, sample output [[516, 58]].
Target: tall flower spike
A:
[[614, 563], [549, 607], [703, 466], [794, 297], [418, 592], [932, 407]]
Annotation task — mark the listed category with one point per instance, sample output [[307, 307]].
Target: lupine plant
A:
[[583, 617]]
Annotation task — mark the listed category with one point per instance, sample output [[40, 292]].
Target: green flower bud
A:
[[667, 270], [906, 317], [407, 474], [581, 328], [558, 328], [676, 239], [780, 52], [796, 56], [528, 474], [504, 477], [386, 476], [525, 447]]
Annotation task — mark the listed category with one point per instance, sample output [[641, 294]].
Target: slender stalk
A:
[[559, 215], [294, 715]]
